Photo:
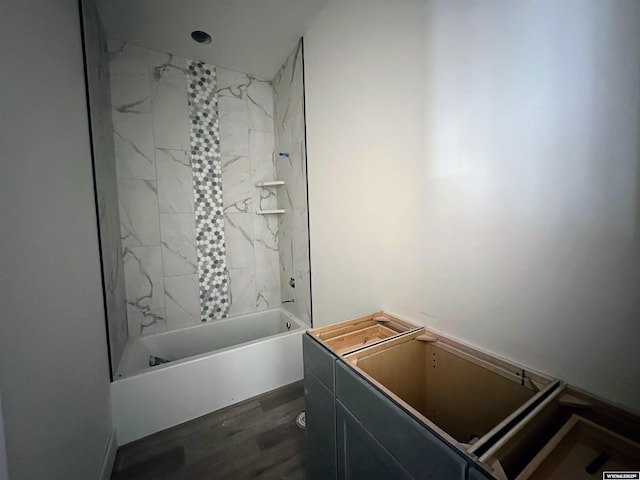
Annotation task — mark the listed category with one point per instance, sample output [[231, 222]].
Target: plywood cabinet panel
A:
[[465, 397], [421, 451]]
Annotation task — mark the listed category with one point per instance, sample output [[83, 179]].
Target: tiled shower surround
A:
[[207, 185], [247, 148], [160, 222], [293, 234], [151, 137], [106, 184]]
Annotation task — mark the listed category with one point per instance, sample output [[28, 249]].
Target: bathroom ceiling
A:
[[250, 36]]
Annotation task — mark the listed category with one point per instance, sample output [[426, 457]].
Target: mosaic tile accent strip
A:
[[207, 182]]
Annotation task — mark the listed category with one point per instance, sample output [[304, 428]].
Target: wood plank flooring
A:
[[257, 438]]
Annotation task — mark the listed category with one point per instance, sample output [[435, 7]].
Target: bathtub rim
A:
[[120, 376]]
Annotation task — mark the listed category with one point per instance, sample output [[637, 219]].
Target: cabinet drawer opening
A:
[[463, 396], [352, 335], [574, 436]]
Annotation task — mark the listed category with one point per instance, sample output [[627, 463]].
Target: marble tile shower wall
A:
[[293, 232], [152, 141], [151, 137], [245, 106], [106, 184]]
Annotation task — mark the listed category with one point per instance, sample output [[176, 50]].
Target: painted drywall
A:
[[4, 475], [533, 185], [247, 36], [364, 82], [525, 192], [54, 373]]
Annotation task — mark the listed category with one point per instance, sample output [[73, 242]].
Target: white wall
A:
[[533, 183], [364, 76], [4, 475], [54, 373], [529, 222]]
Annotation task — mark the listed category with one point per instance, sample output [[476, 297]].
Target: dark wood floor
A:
[[257, 438]]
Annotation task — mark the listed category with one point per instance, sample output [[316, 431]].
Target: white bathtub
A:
[[213, 365]]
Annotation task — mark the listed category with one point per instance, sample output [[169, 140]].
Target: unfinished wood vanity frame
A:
[[543, 444], [578, 443], [518, 423], [467, 396], [505, 418], [361, 332]]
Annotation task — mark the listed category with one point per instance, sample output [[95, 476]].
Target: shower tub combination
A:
[[212, 365]]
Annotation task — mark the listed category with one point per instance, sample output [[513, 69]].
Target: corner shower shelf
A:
[[273, 183], [270, 212]]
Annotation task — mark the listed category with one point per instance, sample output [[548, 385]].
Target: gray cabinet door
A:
[[320, 360], [420, 450], [320, 413], [360, 455]]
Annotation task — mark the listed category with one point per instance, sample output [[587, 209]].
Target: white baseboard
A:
[[109, 456]]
